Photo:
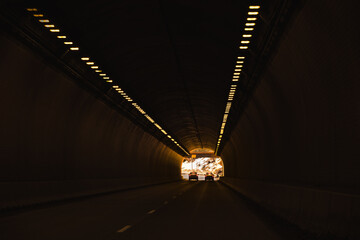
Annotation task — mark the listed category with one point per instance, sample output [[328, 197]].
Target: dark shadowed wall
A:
[[58, 140], [296, 147]]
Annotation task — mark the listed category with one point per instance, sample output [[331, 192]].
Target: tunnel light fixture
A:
[[249, 26], [225, 117], [52, 28], [149, 118], [227, 109]]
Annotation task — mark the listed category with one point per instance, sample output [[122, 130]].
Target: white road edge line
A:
[[151, 212], [124, 229]]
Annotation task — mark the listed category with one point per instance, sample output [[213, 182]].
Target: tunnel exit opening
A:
[[204, 164]]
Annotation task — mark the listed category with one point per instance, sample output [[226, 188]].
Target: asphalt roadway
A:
[[181, 210]]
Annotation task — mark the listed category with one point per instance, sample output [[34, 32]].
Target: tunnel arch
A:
[[294, 141]]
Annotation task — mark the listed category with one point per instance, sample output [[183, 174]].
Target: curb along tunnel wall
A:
[[295, 148], [59, 141]]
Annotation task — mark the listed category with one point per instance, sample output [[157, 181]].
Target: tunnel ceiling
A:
[[175, 58]]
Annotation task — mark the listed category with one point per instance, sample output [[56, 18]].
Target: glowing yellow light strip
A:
[[103, 75], [249, 26]]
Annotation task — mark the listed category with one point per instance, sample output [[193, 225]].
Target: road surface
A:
[[181, 210]]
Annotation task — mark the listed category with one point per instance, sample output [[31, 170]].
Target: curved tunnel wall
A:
[[295, 149], [59, 141]]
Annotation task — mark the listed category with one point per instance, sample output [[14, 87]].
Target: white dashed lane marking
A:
[[124, 229]]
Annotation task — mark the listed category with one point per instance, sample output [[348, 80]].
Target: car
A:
[[209, 176], [193, 175]]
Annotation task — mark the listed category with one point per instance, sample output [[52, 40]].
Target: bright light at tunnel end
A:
[[202, 165]]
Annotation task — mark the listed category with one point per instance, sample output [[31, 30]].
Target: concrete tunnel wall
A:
[[295, 149], [59, 141]]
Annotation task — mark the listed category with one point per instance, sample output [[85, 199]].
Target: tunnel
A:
[[102, 100]]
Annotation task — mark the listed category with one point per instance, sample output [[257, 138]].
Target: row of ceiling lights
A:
[[245, 41], [93, 66]]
